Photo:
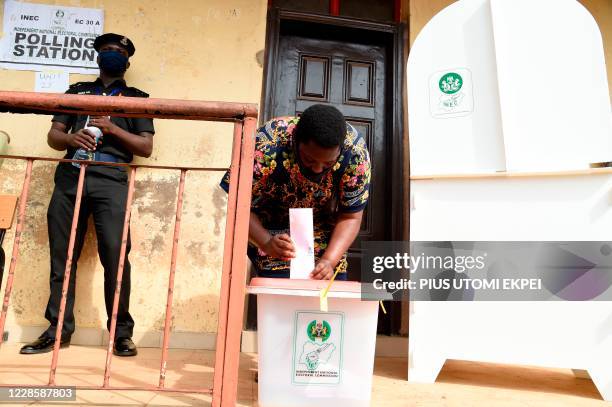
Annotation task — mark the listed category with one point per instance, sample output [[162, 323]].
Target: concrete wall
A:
[[187, 49], [602, 12]]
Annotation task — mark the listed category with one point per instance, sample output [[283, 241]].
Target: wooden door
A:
[[351, 77]]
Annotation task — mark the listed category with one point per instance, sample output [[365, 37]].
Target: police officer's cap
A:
[[121, 40]]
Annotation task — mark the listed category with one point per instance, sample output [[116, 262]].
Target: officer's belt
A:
[[108, 158]]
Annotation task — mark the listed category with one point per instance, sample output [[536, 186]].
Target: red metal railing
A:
[[224, 390]]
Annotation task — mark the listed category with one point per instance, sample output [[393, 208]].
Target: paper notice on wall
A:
[[51, 82], [38, 36], [302, 234], [317, 348]]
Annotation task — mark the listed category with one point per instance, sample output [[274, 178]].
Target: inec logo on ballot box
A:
[[314, 352], [318, 331], [317, 348], [450, 93]]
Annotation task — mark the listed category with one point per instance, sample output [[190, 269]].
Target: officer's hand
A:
[[323, 270], [280, 246], [103, 123], [82, 139]]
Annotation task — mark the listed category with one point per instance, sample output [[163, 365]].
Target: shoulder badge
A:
[[136, 92], [77, 85]]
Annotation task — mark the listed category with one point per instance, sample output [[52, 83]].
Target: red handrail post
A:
[[16, 242], [124, 239], [67, 271], [239, 265], [175, 243]]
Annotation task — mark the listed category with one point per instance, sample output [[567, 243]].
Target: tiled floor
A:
[[460, 383]]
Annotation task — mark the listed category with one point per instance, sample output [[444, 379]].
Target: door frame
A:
[[394, 34], [395, 128]]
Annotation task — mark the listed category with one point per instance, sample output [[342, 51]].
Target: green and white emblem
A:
[[450, 83], [317, 348], [318, 331], [450, 93]]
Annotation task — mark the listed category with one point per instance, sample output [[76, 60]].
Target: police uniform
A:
[[104, 197]]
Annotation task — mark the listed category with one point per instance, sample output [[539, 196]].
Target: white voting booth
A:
[[508, 106]]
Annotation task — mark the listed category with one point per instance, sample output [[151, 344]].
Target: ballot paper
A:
[[302, 234]]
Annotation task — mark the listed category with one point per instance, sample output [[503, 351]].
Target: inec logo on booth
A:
[[450, 83], [318, 331], [450, 93]]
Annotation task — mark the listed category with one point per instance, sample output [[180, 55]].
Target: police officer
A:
[[104, 194]]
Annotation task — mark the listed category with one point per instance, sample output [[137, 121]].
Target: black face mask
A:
[[113, 63], [307, 172], [311, 175]]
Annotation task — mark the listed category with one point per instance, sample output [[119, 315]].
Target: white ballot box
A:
[[313, 358]]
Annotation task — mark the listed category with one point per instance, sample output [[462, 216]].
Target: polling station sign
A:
[[42, 37]]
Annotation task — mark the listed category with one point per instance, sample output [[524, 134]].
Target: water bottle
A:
[[81, 153]]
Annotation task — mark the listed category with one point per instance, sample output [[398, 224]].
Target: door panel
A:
[[359, 83], [314, 78]]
